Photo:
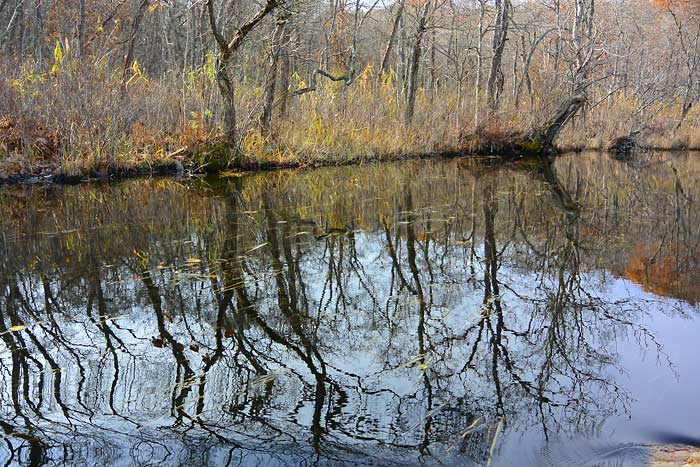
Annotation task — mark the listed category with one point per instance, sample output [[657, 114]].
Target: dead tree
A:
[[583, 42], [550, 130]]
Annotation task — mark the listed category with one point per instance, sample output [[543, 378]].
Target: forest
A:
[[102, 87]]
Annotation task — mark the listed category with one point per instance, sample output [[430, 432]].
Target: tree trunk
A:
[[81, 29], [225, 84], [390, 43], [551, 129], [500, 36], [415, 64], [285, 68], [129, 56], [479, 63], [433, 66], [269, 95], [18, 11], [224, 64]]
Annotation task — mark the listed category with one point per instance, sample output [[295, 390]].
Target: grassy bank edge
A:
[[216, 159]]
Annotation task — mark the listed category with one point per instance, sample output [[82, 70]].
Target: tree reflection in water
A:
[[270, 320]]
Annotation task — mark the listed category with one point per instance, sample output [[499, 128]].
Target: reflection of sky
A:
[[663, 386], [665, 401]]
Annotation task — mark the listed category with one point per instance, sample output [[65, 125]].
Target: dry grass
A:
[[75, 121]]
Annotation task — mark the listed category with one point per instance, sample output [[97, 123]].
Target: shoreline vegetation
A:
[[92, 89]]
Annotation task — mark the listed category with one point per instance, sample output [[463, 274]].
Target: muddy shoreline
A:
[[176, 168], [190, 167]]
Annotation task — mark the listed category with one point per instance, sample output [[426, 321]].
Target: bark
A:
[[347, 78], [81, 28], [414, 64], [285, 68], [39, 42], [227, 50], [17, 12], [684, 113], [500, 36], [526, 67], [566, 110], [271, 82], [129, 56], [392, 38], [226, 89], [433, 66], [479, 63], [22, 31]]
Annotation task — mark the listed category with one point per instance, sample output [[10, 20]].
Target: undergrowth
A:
[[73, 118]]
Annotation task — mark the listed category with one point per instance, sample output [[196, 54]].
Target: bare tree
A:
[[278, 36], [129, 55], [414, 62], [227, 49], [392, 38], [500, 36]]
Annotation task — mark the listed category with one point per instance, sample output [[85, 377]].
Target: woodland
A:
[[102, 87]]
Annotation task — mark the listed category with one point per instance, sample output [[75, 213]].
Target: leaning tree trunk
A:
[[537, 143], [550, 130], [583, 42], [390, 43]]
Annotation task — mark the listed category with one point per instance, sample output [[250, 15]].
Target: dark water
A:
[[427, 313]]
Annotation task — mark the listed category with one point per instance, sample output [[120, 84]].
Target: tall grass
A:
[[74, 119]]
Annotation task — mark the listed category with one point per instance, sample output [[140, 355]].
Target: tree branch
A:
[[223, 45], [346, 78], [247, 27]]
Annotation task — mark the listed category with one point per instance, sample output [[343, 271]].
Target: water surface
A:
[[419, 313]]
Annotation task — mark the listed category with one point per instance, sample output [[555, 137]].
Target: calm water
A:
[[422, 313]]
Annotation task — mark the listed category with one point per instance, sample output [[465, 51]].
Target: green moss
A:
[[215, 157], [532, 147]]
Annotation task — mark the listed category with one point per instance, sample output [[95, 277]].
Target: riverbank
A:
[[75, 124], [216, 159], [184, 165], [674, 456]]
